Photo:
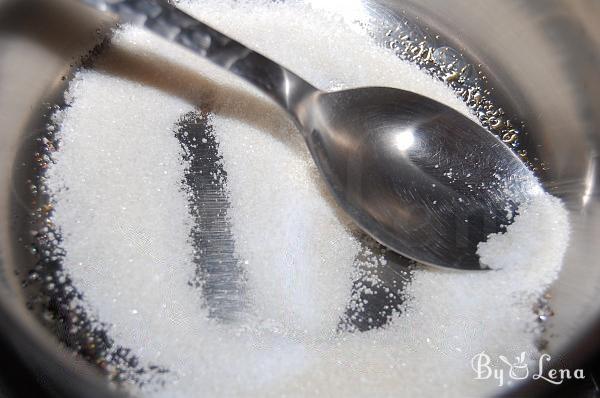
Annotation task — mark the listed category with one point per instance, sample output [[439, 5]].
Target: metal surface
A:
[[385, 153], [541, 57], [167, 21]]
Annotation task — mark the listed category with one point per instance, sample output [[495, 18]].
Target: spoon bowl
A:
[[418, 176]]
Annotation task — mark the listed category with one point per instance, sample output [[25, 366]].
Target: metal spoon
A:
[[416, 175]]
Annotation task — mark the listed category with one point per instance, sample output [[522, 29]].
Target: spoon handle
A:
[[284, 87]]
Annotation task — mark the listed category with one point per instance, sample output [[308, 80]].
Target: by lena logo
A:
[[519, 369]]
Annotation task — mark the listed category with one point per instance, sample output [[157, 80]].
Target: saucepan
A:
[[540, 57]]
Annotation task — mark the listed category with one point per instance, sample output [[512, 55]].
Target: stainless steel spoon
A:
[[416, 175]]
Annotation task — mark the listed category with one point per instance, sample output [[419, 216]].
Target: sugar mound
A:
[[125, 219]]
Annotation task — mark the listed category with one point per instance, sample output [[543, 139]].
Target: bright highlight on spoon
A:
[[405, 139]]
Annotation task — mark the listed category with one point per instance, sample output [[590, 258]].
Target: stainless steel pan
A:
[[541, 57]]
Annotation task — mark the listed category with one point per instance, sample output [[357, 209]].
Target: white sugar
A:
[[125, 219], [300, 257]]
